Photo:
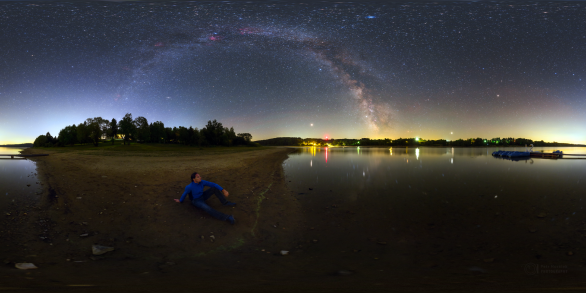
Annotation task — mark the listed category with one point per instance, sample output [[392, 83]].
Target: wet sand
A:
[[125, 201]]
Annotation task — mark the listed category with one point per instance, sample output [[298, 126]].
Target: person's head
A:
[[195, 178]]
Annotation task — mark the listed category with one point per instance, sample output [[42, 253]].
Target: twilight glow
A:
[[344, 70]]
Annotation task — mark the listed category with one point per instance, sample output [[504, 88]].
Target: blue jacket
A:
[[196, 190]]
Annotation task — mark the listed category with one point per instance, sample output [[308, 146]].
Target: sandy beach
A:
[[125, 201]]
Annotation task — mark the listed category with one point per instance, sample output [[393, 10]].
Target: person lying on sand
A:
[[198, 197]]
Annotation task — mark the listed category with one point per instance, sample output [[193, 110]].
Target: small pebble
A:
[[343, 273], [25, 266]]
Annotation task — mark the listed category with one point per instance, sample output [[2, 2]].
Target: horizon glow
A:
[[449, 70]]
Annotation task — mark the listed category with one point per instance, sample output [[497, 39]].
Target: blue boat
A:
[[519, 154], [511, 154]]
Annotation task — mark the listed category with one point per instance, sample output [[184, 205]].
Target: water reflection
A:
[[482, 208], [18, 179]]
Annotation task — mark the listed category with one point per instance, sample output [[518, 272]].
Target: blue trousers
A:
[[200, 202]]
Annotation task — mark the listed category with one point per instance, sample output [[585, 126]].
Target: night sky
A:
[[436, 71]]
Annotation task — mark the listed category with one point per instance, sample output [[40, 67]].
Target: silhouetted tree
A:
[[143, 131], [82, 133], [246, 136], [194, 136], [157, 132], [228, 136], [126, 127], [183, 136], [113, 131], [68, 135], [96, 127], [213, 132], [169, 134], [40, 141]]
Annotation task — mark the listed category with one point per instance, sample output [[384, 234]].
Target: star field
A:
[[445, 70]]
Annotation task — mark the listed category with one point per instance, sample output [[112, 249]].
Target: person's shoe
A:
[[231, 219], [229, 203]]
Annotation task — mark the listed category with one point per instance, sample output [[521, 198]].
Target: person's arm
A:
[[212, 184], [183, 195]]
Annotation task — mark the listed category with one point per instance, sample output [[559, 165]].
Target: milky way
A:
[[444, 70], [334, 57]]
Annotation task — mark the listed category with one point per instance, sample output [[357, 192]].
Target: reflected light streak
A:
[[391, 150], [326, 155], [417, 153]]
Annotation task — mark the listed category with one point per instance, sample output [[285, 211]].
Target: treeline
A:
[[508, 141], [97, 129], [17, 145]]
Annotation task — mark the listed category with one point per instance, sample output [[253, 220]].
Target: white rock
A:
[[284, 252], [99, 250], [25, 266]]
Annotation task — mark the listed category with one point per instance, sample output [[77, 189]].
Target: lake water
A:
[[458, 208], [415, 171], [18, 179]]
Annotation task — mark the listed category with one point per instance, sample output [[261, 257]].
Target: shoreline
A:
[[127, 203]]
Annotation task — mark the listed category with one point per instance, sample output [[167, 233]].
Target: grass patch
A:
[[149, 149]]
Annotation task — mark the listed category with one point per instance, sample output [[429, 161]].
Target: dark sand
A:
[[126, 201]]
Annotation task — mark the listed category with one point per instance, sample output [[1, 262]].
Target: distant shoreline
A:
[[432, 146], [30, 145]]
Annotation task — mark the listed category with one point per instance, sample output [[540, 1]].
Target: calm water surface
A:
[[415, 171], [18, 179], [452, 208]]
